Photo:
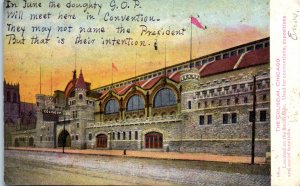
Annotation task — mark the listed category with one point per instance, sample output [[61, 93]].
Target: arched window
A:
[[164, 97], [8, 96], [111, 107], [135, 103]]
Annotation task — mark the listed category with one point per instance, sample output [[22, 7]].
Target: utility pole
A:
[[253, 121], [64, 134]]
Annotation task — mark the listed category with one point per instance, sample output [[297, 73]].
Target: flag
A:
[[114, 67], [197, 23]]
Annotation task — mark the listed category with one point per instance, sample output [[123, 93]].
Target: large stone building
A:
[[203, 105], [18, 116]]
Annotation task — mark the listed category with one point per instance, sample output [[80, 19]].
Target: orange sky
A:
[[21, 62]]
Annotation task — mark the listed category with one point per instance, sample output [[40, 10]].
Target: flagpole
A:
[[135, 67], [51, 84], [40, 78], [191, 43], [112, 75], [165, 60]]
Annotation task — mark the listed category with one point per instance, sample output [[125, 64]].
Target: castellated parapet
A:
[[189, 79]]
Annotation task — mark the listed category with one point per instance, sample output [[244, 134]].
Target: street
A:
[[23, 167]]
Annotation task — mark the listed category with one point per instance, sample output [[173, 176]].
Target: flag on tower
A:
[[197, 23], [114, 67]]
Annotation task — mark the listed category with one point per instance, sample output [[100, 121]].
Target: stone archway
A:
[[154, 140], [64, 138], [101, 141]]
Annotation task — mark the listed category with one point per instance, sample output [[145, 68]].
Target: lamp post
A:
[[64, 133], [253, 121]]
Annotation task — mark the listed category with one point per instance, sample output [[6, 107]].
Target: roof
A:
[[257, 57], [76, 83], [251, 58], [219, 66], [80, 81], [144, 84]]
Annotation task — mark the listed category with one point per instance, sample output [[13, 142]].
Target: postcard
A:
[[140, 92]]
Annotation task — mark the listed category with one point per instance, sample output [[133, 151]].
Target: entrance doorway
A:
[[64, 138], [17, 142], [101, 141], [31, 142], [153, 140]]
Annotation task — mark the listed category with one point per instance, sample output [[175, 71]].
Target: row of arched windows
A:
[[11, 99], [164, 97]]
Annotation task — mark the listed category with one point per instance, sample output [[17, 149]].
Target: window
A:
[[225, 118], [263, 115], [236, 100], [80, 96], [228, 101], [201, 120], [264, 97], [136, 135], [209, 119], [164, 97], [199, 105], [212, 103], [129, 135], [72, 137], [90, 136], [189, 105], [220, 102], [245, 99], [250, 48], [135, 103], [111, 107], [205, 104], [77, 137], [124, 135], [41, 138], [74, 114], [233, 118], [77, 125], [226, 55], [118, 135], [251, 116], [113, 136], [8, 96], [257, 46], [233, 53], [240, 51]]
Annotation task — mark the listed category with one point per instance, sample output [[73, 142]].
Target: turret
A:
[[80, 89], [189, 79]]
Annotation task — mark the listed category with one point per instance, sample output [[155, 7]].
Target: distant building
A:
[[18, 115], [204, 105]]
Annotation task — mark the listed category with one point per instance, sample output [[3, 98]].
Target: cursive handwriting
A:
[[293, 32]]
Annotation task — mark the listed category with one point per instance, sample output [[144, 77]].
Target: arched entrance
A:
[[153, 140], [101, 141], [64, 138], [17, 142], [31, 140]]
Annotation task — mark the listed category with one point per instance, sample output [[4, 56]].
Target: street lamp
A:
[[253, 121], [64, 133]]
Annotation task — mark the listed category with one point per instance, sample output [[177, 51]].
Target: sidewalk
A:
[[153, 155]]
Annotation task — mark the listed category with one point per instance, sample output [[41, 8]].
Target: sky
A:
[[229, 23]]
